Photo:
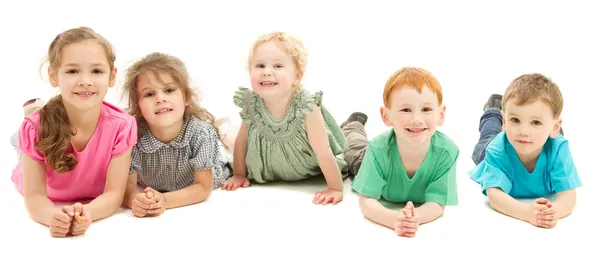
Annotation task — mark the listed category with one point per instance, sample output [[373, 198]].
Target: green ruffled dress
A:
[[280, 149]]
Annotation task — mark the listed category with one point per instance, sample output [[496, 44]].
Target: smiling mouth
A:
[[84, 93], [523, 142], [268, 83], [415, 130], [163, 110]]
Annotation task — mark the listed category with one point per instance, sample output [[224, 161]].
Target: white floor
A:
[[474, 50]]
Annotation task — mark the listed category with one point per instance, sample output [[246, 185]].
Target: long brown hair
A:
[[157, 63], [54, 129]]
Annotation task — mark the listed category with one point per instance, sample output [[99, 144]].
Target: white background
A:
[[473, 48]]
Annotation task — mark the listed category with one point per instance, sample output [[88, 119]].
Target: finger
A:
[[149, 195], [407, 212], [548, 211], [140, 204], [408, 224], [541, 201], [62, 217], [58, 234], [80, 230], [336, 200], [84, 218], [77, 208], [59, 222], [142, 198], [246, 183], [546, 216], [68, 210], [410, 205], [327, 200], [59, 229], [316, 197], [154, 211], [139, 212], [321, 199]]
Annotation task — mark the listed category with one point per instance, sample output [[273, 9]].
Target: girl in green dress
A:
[[286, 133]]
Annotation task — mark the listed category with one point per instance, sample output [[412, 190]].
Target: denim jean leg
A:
[[490, 125]]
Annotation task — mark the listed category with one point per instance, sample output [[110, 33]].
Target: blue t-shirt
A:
[[554, 171]]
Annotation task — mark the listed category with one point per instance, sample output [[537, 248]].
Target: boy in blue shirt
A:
[[524, 154]]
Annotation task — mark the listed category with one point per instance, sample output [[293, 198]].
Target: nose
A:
[[416, 117], [523, 130], [85, 80], [267, 72], [159, 97]]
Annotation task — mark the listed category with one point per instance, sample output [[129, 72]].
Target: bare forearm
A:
[[130, 193], [331, 171], [193, 194], [376, 212], [40, 208], [564, 203], [104, 205], [507, 205], [239, 152], [429, 212]]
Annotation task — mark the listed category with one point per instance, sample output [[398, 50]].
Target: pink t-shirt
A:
[[116, 132]]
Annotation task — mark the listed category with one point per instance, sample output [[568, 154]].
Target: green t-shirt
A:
[[382, 175]]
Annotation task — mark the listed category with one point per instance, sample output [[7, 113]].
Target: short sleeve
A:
[[28, 136], [136, 160], [489, 173], [442, 190], [306, 102], [244, 99], [369, 181], [125, 138], [563, 173], [205, 148]]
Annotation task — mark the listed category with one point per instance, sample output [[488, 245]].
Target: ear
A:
[[556, 128], [298, 78], [53, 77], [442, 115], [385, 116], [113, 78]]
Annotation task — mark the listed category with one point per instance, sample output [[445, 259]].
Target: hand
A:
[[235, 182], [407, 221], [61, 222], [158, 203], [547, 218], [140, 204], [328, 196], [81, 221], [535, 216]]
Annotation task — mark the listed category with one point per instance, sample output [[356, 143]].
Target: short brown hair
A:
[[529, 88], [411, 77]]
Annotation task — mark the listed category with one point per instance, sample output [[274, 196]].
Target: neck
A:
[[278, 106], [410, 151], [529, 160], [168, 133], [83, 119]]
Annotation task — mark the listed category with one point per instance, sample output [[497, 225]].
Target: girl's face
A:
[[160, 100], [273, 74], [84, 75]]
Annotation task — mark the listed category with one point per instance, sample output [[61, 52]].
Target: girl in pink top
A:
[[76, 147]]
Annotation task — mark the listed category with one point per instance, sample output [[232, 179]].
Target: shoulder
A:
[[558, 148], [444, 144], [383, 141], [198, 130], [497, 145], [117, 117]]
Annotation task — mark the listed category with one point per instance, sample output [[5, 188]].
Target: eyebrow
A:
[[533, 117], [76, 65], [168, 85]]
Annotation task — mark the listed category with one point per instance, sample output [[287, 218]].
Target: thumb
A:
[[541, 201], [69, 210]]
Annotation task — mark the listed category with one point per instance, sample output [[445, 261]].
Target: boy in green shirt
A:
[[412, 162]]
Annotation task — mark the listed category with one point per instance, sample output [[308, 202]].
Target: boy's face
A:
[[529, 126], [413, 115]]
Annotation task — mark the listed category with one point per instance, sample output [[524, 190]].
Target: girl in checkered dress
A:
[[178, 156]]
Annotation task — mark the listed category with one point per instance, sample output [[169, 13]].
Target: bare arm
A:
[[131, 190], [429, 212], [116, 183], [39, 207], [317, 136], [564, 203], [193, 194], [240, 150], [376, 212], [505, 204]]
